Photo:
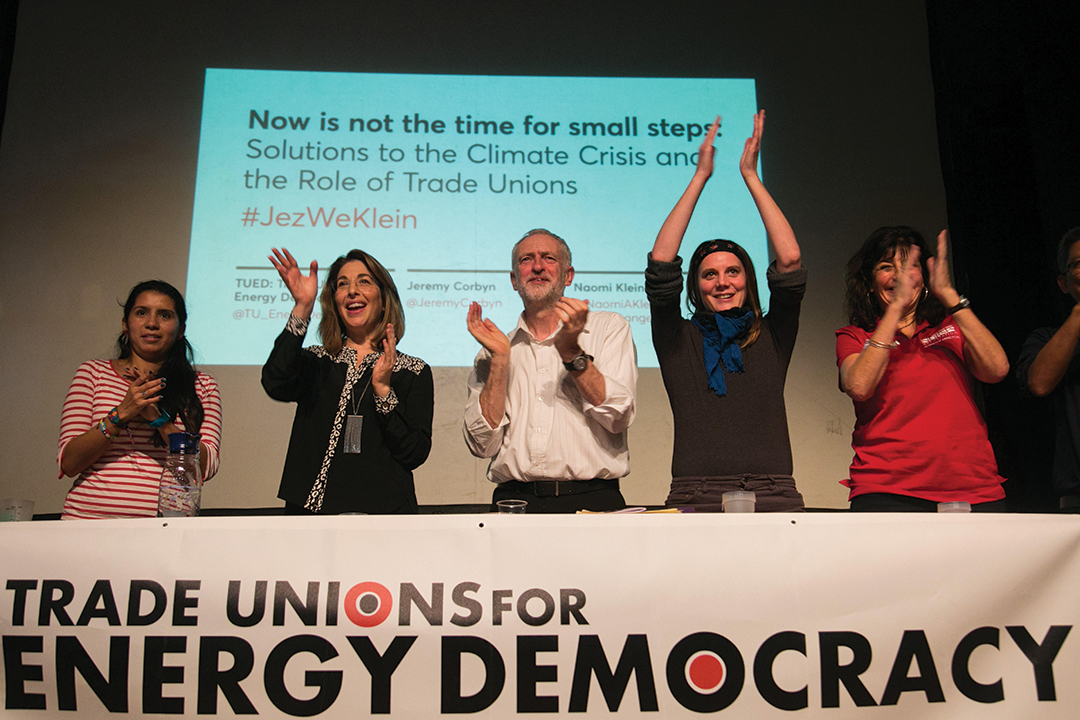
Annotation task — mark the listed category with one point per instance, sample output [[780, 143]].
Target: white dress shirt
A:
[[549, 431]]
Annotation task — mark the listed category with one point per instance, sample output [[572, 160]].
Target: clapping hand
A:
[[384, 366], [573, 314], [142, 396], [304, 288], [938, 269], [707, 151], [486, 332], [908, 277], [749, 161]]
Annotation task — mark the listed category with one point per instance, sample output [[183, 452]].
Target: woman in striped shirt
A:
[[118, 413]]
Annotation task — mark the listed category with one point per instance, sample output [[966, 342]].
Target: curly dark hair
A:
[[861, 306], [178, 397]]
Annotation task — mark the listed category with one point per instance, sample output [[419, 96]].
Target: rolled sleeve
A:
[[616, 360], [483, 440]]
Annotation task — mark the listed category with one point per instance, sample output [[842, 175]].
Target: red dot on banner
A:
[[706, 672], [368, 604]]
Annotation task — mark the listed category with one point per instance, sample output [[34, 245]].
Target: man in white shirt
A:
[[551, 403]]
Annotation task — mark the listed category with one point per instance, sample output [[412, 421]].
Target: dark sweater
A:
[[744, 432], [395, 440], [1066, 399]]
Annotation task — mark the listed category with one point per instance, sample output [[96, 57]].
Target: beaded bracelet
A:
[[104, 430], [163, 418], [114, 418]]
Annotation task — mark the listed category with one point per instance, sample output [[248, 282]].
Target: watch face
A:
[[580, 363]]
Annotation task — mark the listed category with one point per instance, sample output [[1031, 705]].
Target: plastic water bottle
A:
[[180, 492]]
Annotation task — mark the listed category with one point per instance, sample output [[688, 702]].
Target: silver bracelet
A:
[[884, 346]]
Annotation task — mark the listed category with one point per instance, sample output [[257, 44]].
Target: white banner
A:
[[755, 616]]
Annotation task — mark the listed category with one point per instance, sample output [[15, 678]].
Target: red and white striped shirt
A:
[[123, 482]]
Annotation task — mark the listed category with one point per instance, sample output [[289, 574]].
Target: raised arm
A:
[[983, 354], [283, 375], [777, 229], [493, 396], [1050, 364], [666, 247], [304, 288], [573, 313]]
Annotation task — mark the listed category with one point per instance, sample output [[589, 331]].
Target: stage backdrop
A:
[[819, 616], [432, 174]]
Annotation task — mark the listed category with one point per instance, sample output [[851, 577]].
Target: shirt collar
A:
[[521, 333]]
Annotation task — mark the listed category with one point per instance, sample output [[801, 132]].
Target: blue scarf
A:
[[722, 353]]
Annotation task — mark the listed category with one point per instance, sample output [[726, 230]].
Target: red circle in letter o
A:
[[367, 604]]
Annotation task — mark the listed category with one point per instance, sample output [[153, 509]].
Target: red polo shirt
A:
[[921, 434]]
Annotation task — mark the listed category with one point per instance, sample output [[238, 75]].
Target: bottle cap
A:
[[183, 443]]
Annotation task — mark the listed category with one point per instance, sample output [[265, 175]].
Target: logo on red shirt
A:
[[942, 335]]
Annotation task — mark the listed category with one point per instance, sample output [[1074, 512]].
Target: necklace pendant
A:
[[353, 426]]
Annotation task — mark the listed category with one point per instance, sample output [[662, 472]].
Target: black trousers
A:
[[573, 495], [885, 502]]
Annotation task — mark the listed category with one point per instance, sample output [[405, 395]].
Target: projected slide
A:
[[437, 176]]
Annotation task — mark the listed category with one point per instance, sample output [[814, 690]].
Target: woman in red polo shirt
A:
[[908, 360]]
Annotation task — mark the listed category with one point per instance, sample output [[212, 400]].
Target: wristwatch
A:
[[962, 305], [579, 363]]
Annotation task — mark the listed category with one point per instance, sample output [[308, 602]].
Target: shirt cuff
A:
[[386, 405], [297, 326]]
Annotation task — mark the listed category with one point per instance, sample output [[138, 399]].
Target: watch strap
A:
[[962, 305], [583, 359]]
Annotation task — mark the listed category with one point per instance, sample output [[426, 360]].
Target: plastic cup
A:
[[739, 501], [16, 510], [512, 507], [954, 507]]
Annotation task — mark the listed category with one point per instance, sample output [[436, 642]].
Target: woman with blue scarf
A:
[[724, 370]]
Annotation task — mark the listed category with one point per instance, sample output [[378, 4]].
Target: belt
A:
[[1069, 501], [557, 488]]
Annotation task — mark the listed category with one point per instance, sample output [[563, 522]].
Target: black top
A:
[[1066, 399], [744, 432], [395, 439]]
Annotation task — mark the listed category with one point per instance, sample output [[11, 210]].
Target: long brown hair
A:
[[331, 331]]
